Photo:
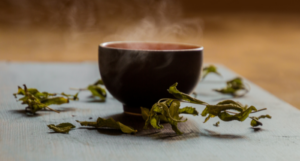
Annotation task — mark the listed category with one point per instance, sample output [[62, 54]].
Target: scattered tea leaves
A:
[[110, 123], [255, 120], [223, 110], [234, 87], [209, 69], [62, 128]]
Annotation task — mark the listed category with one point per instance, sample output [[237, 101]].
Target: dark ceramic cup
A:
[[138, 74]]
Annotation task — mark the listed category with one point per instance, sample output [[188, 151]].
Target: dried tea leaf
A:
[[55, 101], [217, 124], [233, 88], [221, 110], [255, 121], [210, 69], [188, 110], [180, 95], [167, 111], [38, 100], [65, 124], [99, 82], [111, 123], [61, 128], [239, 117], [97, 91], [70, 96], [145, 113]]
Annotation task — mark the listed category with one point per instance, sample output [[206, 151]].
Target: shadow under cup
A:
[[138, 74]]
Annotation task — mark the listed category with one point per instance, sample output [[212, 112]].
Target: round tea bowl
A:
[[138, 74]]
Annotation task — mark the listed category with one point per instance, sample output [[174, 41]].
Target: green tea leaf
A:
[[167, 111], [37, 101], [155, 122], [221, 110], [65, 124], [99, 82], [97, 91], [55, 101], [61, 128], [233, 87], [255, 121], [145, 113], [179, 95], [111, 123], [239, 117], [210, 69], [188, 110], [217, 124], [70, 96]]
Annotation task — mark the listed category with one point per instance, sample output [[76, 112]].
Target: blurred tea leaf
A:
[[180, 95], [217, 124], [61, 128], [97, 91], [111, 123], [99, 82], [70, 96], [55, 101], [209, 69], [255, 121], [233, 87]]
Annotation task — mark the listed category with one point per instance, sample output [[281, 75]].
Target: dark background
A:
[[258, 39]]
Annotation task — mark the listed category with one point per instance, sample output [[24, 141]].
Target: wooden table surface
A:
[[24, 137]]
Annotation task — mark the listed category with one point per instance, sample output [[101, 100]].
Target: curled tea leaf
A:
[[111, 123], [210, 69], [61, 128], [180, 95], [221, 110], [255, 120], [167, 111], [234, 87], [97, 91], [188, 110]]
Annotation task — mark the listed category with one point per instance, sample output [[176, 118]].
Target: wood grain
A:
[[24, 137]]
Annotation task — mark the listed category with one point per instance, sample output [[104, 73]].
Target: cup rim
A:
[[104, 45]]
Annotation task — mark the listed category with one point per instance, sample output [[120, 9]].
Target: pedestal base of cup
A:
[[136, 111]]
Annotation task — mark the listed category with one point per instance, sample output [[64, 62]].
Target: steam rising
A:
[[115, 20]]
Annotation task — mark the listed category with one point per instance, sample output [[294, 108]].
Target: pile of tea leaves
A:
[[37, 100]]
